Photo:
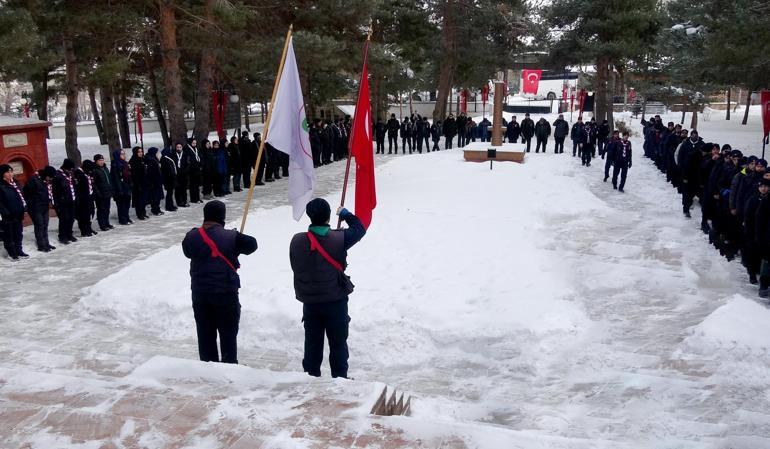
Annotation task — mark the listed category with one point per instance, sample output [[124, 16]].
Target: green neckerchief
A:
[[321, 230]]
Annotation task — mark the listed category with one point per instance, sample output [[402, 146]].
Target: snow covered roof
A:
[[14, 122]]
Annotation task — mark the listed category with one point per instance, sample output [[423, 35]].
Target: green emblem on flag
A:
[[304, 124]]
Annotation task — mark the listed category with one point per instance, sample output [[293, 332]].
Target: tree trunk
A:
[[600, 89], [42, 95], [684, 110], [71, 116], [611, 99], [156, 106], [97, 119], [108, 117], [729, 93], [448, 61], [748, 106], [173, 80], [694, 119], [122, 107]]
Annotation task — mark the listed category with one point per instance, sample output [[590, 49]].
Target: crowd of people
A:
[[732, 190], [185, 174]]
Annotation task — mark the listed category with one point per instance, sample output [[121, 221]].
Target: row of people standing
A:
[[732, 190], [329, 140], [182, 175]]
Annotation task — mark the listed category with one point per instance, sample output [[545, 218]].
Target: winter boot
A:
[[753, 279]]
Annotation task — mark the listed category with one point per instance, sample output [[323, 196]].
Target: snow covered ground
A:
[[526, 306]]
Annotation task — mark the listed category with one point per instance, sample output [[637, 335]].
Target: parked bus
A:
[[551, 85]]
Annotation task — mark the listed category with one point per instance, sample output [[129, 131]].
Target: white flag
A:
[[288, 133]]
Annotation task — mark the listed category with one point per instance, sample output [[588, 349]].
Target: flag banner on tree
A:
[[464, 100], [564, 93], [764, 98], [484, 93], [362, 150], [530, 80], [288, 133]]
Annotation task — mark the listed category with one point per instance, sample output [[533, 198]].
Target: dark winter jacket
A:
[[577, 133], [406, 129], [102, 182], [212, 274], [622, 154], [435, 131], [762, 227], [11, 201], [248, 154], [138, 180], [527, 128], [37, 194], [604, 131], [193, 160], [315, 279], [393, 127], [612, 149], [379, 131], [233, 158], [84, 189], [560, 128], [542, 129], [168, 169], [63, 190], [450, 128], [154, 178], [513, 131], [689, 159]]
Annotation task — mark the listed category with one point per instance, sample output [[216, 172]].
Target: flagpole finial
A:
[[369, 35], [291, 27]]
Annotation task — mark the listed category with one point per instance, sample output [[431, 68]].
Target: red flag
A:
[[530, 79], [361, 148], [764, 99]]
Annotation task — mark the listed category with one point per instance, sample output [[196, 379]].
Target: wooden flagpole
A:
[[266, 129], [350, 142]]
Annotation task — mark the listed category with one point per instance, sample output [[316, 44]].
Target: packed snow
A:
[[525, 306]]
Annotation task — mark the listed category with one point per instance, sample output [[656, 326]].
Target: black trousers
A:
[[585, 156], [170, 198], [180, 192], [448, 140], [575, 147], [392, 142], [427, 141], [217, 313], [332, 319], [103, 212], [12, 235], [207, 182], [195, 190], [528, 141], [541, 142], [559, 147], [688, 195], [623, 170], [435, 145], [66, 214], [40, 221], [380, 145], [246, 173], [123, 204], [607, 165], [406, 142]]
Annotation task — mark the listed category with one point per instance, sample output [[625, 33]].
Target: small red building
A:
[[23, 145]]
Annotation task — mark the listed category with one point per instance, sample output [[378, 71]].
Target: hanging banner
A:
[[484, 94], [530, 80], [464, 100], [581, 100]]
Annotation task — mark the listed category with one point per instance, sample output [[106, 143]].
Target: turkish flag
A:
[[765, 101], [361, 148], [530, 79]]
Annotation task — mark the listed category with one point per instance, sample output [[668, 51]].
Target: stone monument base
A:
[[507, 152]]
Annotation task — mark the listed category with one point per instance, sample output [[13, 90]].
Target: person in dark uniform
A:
[[208, 169], [379, 135], [182, 163], [689, 160], [513, 130], [577, 135], [168, 172], [450, 130], [406, 136], [426, 133], [84, 194], [263, 160], [603, 133], [527, 131], [12, 207], [750, 253], [315, 142], [64, 201], [102, 193], [121, 182], [213, 252], [39, 196], [138, 183], [435, 134], [610, 151], [542, 131], [248, 158], [318, 259], [622, 162], [393, 127], [194, 171], [154, 180], [560, 132]]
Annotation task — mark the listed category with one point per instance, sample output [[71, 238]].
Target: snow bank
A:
[[444, 258], [739, 325]]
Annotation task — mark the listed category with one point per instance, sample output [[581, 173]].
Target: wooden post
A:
[[497, 117]]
